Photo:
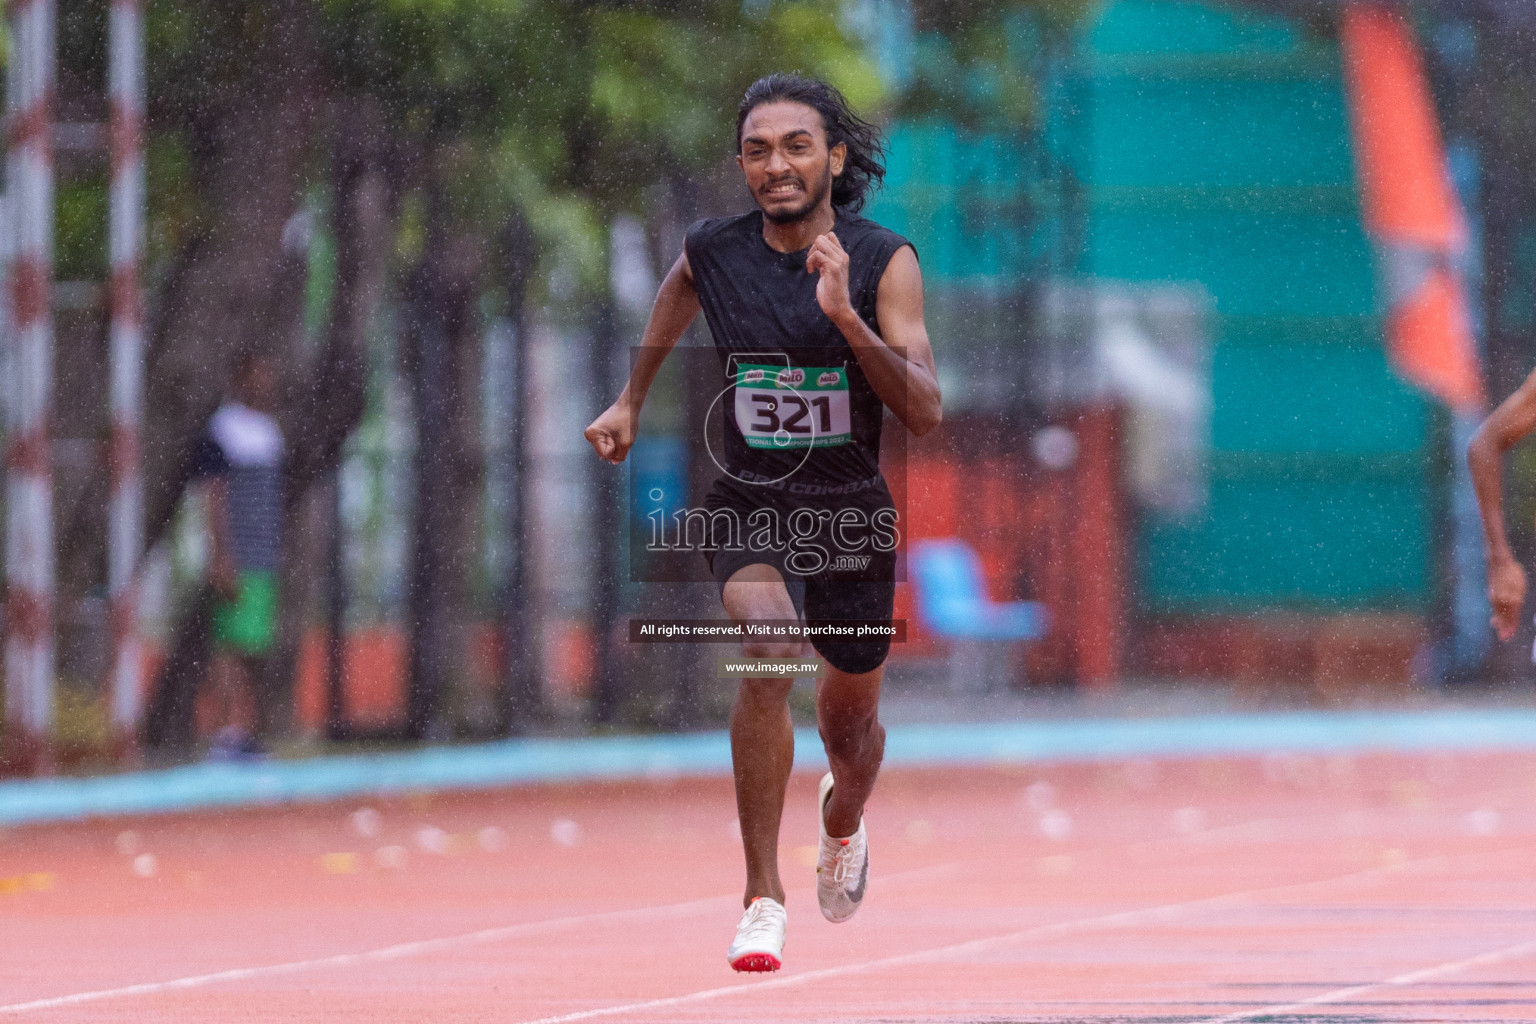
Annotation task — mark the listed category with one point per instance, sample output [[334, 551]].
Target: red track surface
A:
[[1343, 889]]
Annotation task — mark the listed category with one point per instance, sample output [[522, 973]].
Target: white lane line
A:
[[416, 948], [403, 949], [1495, 956], [408, 949], [487, 935], [1166, 913]]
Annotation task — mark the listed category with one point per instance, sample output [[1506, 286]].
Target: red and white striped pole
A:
[[125, 84], [29, 650]]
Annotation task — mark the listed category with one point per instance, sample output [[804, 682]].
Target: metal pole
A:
[[335, 613], [520, 696], [126, 244], [608, 523], [29, 652], [428, 602]]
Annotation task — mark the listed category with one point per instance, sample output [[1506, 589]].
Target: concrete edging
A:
[[524, 761]]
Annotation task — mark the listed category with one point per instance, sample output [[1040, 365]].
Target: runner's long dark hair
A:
[[864, 168]]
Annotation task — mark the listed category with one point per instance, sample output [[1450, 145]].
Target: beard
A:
[[815, 193]]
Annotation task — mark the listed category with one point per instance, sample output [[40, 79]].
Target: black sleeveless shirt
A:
[[800, 417]]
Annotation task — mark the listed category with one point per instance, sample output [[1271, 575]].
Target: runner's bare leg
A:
[[762, 734], [847, 713]]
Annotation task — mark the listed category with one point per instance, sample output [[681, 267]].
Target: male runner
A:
[[1504, 428], [817, 315]]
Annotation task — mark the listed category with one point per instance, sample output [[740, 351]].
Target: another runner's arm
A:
[[677, 303], [1502, 430]]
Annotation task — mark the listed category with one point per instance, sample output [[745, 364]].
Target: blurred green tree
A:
[[425, 132], [423, 129], [563, 111]]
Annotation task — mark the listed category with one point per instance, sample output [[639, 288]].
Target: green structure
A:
[[1207, 144]]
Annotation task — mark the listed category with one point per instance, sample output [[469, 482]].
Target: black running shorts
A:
[[841, 573]]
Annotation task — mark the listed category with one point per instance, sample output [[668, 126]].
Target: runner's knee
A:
[[765, 691], [770, 648]]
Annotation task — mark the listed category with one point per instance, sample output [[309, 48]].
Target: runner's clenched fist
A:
[[829, 260], [613, 433]]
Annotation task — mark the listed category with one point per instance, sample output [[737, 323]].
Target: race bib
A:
[[793, 407]]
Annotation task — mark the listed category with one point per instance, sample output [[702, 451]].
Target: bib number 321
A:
[[794, 407]]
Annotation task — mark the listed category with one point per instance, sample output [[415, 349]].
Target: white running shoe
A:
[[759, 944], [842, 865]]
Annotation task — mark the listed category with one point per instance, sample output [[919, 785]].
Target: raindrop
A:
[[431, 839], [1040, 796], [366, 822], [392, 857], [565, 832], [145, 865], [1054, 447], [1055, 824]]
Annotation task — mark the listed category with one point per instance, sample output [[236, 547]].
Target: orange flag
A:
[[1411, 209]]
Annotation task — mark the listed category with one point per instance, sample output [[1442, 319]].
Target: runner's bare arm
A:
[[677, 303], [1502, 430], [899, 366]]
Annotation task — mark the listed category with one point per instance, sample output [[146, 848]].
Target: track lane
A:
[[912, 955]]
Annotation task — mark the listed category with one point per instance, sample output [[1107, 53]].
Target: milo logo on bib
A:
[[781, 407]]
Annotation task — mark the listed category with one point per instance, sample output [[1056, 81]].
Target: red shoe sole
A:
[[757, 962]]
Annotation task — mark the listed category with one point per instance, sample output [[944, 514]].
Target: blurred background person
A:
[[240, 461]]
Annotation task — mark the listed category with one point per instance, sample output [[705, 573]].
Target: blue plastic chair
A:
[[952, 602]]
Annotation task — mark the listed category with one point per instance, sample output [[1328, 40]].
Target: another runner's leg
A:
[[762, 734]]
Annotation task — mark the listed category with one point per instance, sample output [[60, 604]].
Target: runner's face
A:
[[785, 158]]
